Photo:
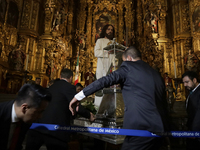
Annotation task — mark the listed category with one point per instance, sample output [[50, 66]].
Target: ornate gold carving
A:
[[53, 50], [34, 15], [185, 18], [26, 14]]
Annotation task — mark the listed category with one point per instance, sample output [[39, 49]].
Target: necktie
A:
[[188, 99], [15, 136]]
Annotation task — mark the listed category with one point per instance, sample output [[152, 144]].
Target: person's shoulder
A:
[[5, 106], [6, 103], [56, 84], [198, 89], [126, 65]]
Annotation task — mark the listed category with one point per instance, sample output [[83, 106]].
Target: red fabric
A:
[[15, 137]]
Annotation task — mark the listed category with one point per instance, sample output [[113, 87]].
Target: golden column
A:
[[121, 22]]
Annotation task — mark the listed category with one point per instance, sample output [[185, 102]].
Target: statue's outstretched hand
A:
[[73, 105]]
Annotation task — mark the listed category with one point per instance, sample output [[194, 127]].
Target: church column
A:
[[89, 24], [163, 40], [185, 31], [179, 59], [175, 56], [121, 22], [82, 16], [139, 17], [162, 21], [28, 29], [94, 25], [70, 18], [169, 56], [89, 34], [128, 19]]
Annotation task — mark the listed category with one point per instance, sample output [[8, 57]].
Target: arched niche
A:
[[13, 14], [3, 6]]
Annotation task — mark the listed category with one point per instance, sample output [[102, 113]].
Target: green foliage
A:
[[90, 106]]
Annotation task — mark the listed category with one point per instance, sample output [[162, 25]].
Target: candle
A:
[[27, 61], [175, 70]]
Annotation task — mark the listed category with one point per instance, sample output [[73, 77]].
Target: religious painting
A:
[[101, 22], [13, 14], [151, 20], [196, 19], [3, 6]]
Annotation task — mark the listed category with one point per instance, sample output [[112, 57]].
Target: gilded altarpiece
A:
[[50, 33]]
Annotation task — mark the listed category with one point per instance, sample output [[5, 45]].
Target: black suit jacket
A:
[[193, 110], [5, 121], [143, 93], [58, 111]]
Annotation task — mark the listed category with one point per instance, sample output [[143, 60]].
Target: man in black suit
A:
[[57, 113], [16, 116], [143, 92], [190, 81]]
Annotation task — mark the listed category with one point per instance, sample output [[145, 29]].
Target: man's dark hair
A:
[[33, 95], [79, 84], [191, 75], [103, 32], [66, 73], [133, 52]]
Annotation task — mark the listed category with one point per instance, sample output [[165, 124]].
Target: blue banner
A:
[[115, 131]]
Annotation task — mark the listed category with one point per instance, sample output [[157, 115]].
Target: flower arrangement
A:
[[90, 106]]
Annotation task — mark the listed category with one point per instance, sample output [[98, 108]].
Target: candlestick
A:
[[27, 61], [175, 70]]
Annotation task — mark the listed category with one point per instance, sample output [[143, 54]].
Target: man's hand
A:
[[92, 117], [73, 105]]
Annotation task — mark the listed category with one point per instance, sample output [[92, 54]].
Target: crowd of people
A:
[[144, 96]]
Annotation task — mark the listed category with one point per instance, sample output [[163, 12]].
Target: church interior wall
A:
[[51, 34]]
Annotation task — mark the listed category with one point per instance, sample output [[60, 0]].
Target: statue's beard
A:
[[110, 37]]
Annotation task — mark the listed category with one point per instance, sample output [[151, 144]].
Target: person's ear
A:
[[128, 58], [24, 108], [194, 80], [71, 78]]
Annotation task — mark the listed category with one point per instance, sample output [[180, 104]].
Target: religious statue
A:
[[48, 71], [154, 23], [89, 77], [167, 79], [170, 96], [81, 40], [191, 61], [151, 20], [16, 59], [179, 95], [57, 21]]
